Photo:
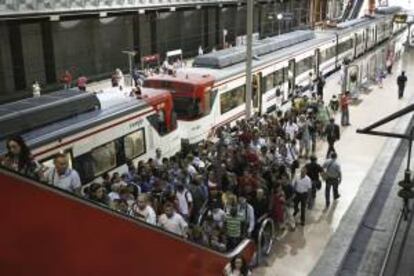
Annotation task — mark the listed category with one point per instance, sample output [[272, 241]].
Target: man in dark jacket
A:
[[332, 135], [401, 80], [313, 170]]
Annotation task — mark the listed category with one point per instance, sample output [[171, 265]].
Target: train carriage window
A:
[[232, 99], [134, 144], [304, 65], [104, 158], [269, 82], [278, 77], [345, 46], [327, 54]]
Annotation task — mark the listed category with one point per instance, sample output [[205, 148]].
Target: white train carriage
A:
[[212, 93], [99, 134]]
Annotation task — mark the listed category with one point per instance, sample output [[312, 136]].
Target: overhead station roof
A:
[[24, 115], [231, 56]]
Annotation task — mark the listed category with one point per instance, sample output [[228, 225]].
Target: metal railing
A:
[[265, 239]]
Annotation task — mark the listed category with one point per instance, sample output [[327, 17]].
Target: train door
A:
[[355, 54], [317, 61], [372, 64], [291, 77], [364, 39], [256, 93]]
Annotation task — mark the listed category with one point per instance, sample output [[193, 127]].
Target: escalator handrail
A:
[[109, 211]]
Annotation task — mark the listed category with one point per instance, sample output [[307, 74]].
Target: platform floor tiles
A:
[[297, 252]]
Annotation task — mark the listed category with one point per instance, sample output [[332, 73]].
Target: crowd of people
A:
[[215, 193]]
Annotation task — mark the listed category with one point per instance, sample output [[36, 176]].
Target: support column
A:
[[236, 25], [205, 28], [153, 32], [48, 52], [179, 16], [218, 27], [259, 9], [136, 30], [17, 56]]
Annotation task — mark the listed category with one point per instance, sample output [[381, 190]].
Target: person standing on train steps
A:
[[332, 135], [401, 81], [333, 177], [62, 176]]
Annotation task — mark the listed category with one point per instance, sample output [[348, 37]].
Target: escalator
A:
[[352, 10], [46, 231], [356, 11]]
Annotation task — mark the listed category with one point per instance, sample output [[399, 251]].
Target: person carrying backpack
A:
[[333, 177]]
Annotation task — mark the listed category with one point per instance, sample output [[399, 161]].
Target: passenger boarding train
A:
[[99, 133], [212, 92]]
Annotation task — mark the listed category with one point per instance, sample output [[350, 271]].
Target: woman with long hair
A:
[[237, 267], [19, 158], [97, 193]]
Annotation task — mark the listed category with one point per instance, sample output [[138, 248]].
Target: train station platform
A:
[[319, 248]]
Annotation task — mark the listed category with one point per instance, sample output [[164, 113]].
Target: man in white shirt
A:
[[291, 129], [62, 176], [158, 157], [143, 211], [302, 187], [172, 222], [246, 211], [185, 201]]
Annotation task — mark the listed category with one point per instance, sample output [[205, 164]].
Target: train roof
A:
[[31, 113], [186, 77], [234, 55], [114, 104], [262, 61], [351, 26]]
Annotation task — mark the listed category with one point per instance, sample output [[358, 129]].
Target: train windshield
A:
[[187, 108], [190, 101]]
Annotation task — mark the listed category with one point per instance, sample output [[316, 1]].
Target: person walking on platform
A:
[[332, 135], [401, 80], [313, 170], [302, 187], [344, 102], [333, 177]]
